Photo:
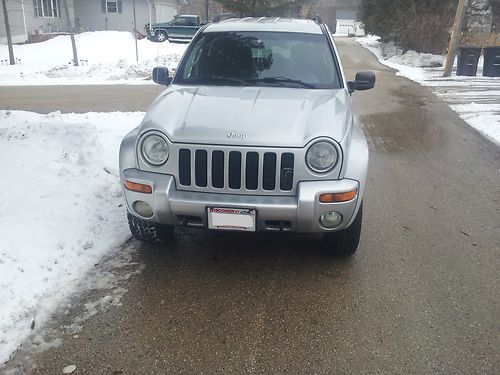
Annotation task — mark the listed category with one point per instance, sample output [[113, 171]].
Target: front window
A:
[[46, 8], [261, 59]]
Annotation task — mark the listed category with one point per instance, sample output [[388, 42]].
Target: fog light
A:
[[330, 219], [143, 209]]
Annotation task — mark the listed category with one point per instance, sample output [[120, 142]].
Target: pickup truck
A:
[[182, 28]]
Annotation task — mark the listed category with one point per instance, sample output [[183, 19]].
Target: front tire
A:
[[161, 36], [344, 243], [149, 232]]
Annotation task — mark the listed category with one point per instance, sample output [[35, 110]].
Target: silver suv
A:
[[253, 133]]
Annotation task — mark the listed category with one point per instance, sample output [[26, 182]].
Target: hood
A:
[[249, 116]]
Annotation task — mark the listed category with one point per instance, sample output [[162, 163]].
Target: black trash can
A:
[[468, 59], [491, 62]]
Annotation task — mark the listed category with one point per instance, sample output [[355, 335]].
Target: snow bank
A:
[[410, 64], [106, 57], [61, 209], [483, 117], [475, 99]]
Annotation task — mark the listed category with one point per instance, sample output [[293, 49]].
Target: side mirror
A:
[[365, 80], [160, 76]]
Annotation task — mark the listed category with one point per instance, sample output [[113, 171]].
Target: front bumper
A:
[[299, 213]]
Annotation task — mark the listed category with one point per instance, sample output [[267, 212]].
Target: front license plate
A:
[[231, 219]]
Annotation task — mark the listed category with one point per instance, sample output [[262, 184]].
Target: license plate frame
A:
[[232, 219]]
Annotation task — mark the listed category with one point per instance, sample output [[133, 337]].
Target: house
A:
[[332, 10], [33, 16], [119, 14], [29, 17]]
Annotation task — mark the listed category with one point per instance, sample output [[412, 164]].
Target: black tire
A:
[[344, 243], [149, 232], [161, 36]]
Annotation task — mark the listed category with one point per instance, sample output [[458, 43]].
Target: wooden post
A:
[[455, 35], [7, 31]]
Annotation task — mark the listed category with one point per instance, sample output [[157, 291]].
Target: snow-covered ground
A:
[[475, 99], [61, 210], [106, 57]]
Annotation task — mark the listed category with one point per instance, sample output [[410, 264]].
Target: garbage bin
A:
[[491, 62], [468, 59]]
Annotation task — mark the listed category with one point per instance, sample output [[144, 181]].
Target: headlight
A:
[[321, 156], [155, 149]]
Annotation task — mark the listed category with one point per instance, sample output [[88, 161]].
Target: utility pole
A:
[[24, 20], [206, 10], [71, 34], [455, 36], [12, 61], [135, 34]]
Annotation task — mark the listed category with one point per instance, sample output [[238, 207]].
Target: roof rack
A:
[[224, 16], [317, 18]]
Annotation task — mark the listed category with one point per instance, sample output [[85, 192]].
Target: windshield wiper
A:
[[238, 81], [283, 80]]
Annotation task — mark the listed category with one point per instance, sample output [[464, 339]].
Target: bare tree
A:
[[7, 31], [71, 34], [420, 25], [263, 7]]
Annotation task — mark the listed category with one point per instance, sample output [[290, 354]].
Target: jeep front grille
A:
[[215, 169]]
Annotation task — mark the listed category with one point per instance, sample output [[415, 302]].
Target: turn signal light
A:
[[338, 197], [139, 188]]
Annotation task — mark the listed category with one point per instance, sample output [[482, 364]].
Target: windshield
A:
[[260, 58]]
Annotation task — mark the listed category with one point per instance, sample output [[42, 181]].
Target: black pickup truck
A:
[[181, 29]]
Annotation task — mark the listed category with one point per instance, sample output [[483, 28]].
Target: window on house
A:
[[46, 8], [111, 6]]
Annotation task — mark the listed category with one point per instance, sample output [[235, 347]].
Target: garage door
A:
[[165, 12]]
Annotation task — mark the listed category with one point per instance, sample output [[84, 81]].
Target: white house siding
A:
[[86, 15], [90, 15], [47, 25], [21, 26], [16, 23]]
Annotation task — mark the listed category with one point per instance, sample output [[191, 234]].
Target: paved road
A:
[[421, 295], [78, 99]]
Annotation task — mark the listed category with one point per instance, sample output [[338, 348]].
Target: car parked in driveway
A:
[[181, 29], [255, 132]]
